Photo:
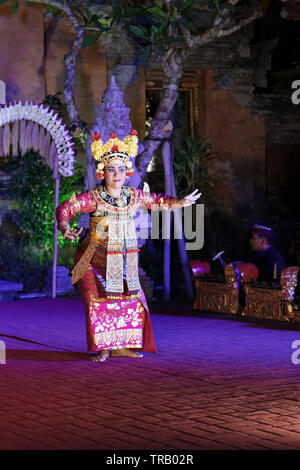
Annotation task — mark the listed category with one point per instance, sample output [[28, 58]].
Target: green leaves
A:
[[159, 25], [90, 39], [32, 187], [158, 13], [14, 7], [191, 164], [140, 31]]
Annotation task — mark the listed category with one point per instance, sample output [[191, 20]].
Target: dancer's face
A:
[[115, 175]]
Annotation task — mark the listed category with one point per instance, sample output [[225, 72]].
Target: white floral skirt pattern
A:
[[117, 324], [114, 323]]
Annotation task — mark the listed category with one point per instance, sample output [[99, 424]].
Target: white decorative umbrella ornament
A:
[[36, 126]]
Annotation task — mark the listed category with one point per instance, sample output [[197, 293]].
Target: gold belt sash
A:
[[120, 233]]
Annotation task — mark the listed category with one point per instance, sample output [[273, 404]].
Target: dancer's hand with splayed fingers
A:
[[190, 199], [72, 234]]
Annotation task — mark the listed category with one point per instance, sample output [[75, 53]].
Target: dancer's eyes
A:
[[117, 170]]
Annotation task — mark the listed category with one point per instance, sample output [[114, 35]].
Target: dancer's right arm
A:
[[83, 203]]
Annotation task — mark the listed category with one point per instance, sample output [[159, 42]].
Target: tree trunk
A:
[[159, 130], [70, 70], [70, 62]]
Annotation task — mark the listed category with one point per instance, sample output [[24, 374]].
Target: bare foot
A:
[[125, 352], [101, 356]]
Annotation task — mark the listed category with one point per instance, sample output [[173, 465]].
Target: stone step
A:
[[9, 289]]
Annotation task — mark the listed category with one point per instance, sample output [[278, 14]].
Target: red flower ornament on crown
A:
[[96, 136], [114, 149]]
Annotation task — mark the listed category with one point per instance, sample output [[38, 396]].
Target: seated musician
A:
[[268, 260]]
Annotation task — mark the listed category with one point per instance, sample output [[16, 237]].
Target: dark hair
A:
[[263, 232]]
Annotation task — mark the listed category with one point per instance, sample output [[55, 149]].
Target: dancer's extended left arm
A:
[[155, 201]]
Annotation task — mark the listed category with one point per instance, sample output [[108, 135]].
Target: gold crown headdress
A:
[[113, 150]]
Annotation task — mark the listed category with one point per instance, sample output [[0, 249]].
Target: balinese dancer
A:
[[106, 262]]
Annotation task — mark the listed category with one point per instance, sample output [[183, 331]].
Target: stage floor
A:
[[217, 383]]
